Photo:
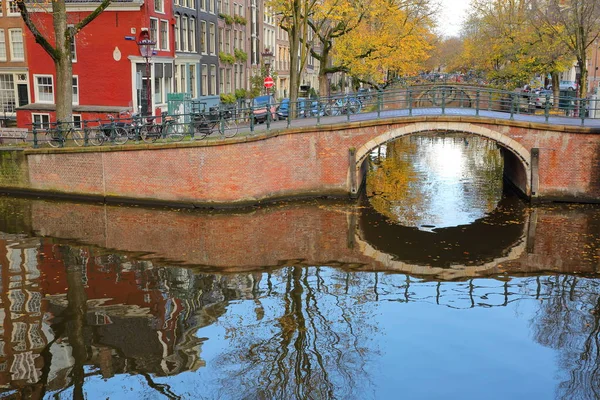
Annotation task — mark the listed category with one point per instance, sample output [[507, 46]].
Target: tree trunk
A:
[[63, 64]]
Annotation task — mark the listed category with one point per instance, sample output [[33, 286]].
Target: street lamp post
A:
[[267, 56], [146, 46]]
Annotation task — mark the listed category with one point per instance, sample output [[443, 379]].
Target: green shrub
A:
[[226, 58], [227, 98], [239, 20], [240, 55], [241, 94]]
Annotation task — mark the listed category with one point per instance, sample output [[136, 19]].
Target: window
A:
[[226, 6], [221, 80], [177, 33], [213, 79], [77, 121], [17, 52], [192, 34], [154, 30], [228, 77], [190, 4], [41, 121], [164, 35], [193, 80], [159, 6], [2, 46], [211, 6], [228, 40], [203, 5], [221, 40], [184, 34], [44, 88], [203, 36], [75, 90], [158, 90], [7, 93], [13, 8], [211, 28], [182, 77], [204, 80], [73, 49]]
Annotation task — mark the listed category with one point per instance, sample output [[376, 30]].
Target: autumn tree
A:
[[293, 17], [503, 40], [332, 20], [393, 38], [576, 24], [57, 43]]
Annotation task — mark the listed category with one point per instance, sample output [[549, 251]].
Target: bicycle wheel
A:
[[174, 131], [78, 137], [353, 106], [332, 109], [120, 135], [201, 130], [52, 139], [228, 128], [148, 134], [96, 137]]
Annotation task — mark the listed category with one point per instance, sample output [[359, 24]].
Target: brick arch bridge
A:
[[544, 161]]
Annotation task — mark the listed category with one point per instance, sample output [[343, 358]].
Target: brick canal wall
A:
[[556, 239], [545, 163]]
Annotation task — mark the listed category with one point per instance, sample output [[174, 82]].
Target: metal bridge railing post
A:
[[35, 135], [410, 102], [252, 118], [443, 101], [582, 111], [378, 104], [477, 103], [547, 108], [318, 112], [512, 106]]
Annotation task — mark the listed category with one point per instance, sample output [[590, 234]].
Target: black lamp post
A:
[[146, 46], [267, 57]]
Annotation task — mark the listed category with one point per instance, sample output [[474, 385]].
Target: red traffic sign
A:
[[268, 82]]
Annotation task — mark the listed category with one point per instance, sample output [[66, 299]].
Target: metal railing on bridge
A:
[[228, 121]]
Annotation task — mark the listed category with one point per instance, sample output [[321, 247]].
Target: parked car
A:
[[539, 98], [283, 109], [262, 106]]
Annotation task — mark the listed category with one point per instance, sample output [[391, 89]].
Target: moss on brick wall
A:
[[13, 169]]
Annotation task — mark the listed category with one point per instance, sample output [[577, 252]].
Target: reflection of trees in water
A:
[[400, 184], [311, 338], [568, 320]]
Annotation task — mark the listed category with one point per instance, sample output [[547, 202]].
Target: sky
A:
[[451, 16]]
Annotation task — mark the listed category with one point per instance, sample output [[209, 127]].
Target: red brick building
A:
[[109, 74]]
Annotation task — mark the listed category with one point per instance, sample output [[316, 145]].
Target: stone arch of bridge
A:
[[520, 153]]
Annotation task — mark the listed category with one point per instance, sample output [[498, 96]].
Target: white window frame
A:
[[192, 35], [177, 33], [164, 35], [203, 37], [161, 8], [77, 121], [2, 46], [156, 31], [184, 34], [9, 7], [75, 89], [204, 75], [14, 31], [212, 38], [213, 80], [43, 125], [211, 6], [36, 88]]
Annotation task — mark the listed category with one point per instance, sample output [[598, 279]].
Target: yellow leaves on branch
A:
[[388, 39]]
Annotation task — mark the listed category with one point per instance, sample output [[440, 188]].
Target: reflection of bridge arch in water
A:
[[489, 240], [517, 158]]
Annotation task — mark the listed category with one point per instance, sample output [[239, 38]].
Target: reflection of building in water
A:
[[137, 311], [23, 331]]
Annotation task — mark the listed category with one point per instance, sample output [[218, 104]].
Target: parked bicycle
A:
[[60, 134], [343, 105], [115, 132], [204, 123], [150, 131]]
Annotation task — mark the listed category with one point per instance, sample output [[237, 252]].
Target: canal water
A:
[[438, 283]]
